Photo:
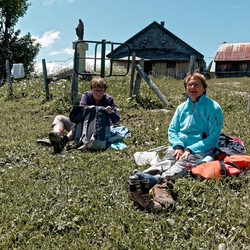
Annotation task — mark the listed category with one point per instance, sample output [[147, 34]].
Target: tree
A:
[[203, 67], [12, 47], [209, 69], [24, 49]]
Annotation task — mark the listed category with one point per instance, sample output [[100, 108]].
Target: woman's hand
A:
[[178, 153], [181, 154], [108, 110], [185, 155]]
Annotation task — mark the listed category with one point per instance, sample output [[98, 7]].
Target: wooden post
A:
[[74, 85], [132, 75], [9, 77], [152, 85], [192, 64], [45, 79], [191, 69], [138, 78]]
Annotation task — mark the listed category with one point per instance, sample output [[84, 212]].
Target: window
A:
[[171, 65]]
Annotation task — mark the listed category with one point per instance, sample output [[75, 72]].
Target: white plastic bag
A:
[[143, 158]]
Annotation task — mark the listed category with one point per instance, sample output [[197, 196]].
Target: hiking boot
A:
[[58, 141], [139, 193], [162, 193]]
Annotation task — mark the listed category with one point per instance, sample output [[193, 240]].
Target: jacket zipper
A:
[[190, 117], [216, 120]]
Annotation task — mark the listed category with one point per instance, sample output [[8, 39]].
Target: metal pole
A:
[[74, 83], [103, 58]]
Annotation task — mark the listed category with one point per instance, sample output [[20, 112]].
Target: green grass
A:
[[79, 200]]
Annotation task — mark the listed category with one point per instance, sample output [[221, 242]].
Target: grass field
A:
[[79, 200]]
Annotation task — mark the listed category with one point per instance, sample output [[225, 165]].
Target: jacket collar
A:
[[199, 99]]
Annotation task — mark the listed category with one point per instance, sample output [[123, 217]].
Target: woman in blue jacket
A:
[[194, 130], [193, 134]]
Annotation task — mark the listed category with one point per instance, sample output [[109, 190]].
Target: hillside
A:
[[79, 200]]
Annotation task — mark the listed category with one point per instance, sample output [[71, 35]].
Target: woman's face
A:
[[98, 93], [195, 88]]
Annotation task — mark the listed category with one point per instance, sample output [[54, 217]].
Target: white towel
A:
[[18, 70]]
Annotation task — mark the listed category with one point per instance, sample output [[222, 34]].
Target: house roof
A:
[[155, 42], [233, 52]]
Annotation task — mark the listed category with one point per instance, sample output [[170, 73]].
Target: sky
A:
[[201, 24]]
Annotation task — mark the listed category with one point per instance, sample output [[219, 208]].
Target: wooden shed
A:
[[232, 60], [164, 53]]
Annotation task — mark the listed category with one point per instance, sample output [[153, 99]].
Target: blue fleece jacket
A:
[[196, 126]]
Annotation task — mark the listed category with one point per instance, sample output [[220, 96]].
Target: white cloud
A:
[[66, 51], [48, 38], [50, 2], [53, 68]]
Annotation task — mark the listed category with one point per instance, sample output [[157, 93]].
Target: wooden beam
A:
[[132, 75], [9, 77], [152, 85], [192, 64], [138, 78], [45, 79]]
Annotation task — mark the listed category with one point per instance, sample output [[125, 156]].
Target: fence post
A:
[[132, 75], [192, 64], [9, 77], [152, 86], [45, 79], [191, 69], [138, 78], [74, 84]]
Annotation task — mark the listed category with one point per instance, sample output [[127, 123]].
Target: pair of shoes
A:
[[58, 141], [162, 193], [139, 193]]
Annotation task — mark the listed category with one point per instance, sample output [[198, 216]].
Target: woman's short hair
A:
[[197, 76], [98, 83]]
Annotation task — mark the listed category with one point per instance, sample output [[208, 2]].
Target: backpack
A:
[[231, 145], [233, 165], [90, 127]]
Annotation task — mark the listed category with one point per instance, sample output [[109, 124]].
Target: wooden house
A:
[[164, 53], [232, 60]]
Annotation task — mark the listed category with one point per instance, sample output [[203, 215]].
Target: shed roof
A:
[[233, 52], [155, 42]]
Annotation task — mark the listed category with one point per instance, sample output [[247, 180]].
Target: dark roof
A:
[[233, 52], [155, 42]]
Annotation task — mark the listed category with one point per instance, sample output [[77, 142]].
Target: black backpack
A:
[[231, 145], [90, 127]]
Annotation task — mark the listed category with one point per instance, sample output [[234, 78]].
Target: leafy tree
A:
[[13, 47], [24, 49], [209, 66], [203, 67]]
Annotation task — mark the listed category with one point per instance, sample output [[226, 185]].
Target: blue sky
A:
[[201, 24]]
